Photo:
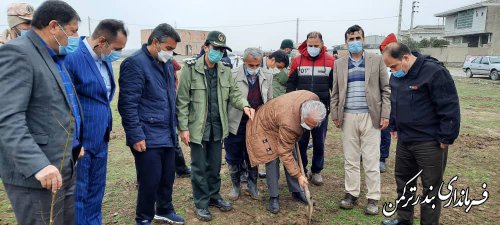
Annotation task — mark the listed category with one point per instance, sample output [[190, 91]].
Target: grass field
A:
[[474, 158]]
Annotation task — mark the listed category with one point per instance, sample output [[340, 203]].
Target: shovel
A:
[[310, 208]]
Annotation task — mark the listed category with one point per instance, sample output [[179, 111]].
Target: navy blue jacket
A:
[[147, 100], [92, 94], [424, 103]]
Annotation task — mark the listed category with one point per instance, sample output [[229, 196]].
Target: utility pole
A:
[[414, 8], [400, 16], [297, 33], [90, 33]]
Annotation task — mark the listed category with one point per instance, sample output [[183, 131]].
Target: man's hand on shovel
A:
[[303, 182]]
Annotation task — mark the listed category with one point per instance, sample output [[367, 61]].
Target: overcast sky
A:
[[269, 21]]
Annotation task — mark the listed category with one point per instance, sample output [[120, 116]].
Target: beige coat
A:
[[275, 129], [266, 91], [377, 88]]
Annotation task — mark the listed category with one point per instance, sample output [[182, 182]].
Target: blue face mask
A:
[[313, 51], [214, 56], [23, 32], [72, 45], [113, 56], [355, 46], [252, 72], [399, 74]]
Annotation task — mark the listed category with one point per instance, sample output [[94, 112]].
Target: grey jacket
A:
[[34, 113], [266, 90]]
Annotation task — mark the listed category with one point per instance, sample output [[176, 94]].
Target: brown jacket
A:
[[275, 129], [377, 88]]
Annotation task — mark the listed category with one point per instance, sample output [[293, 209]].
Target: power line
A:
[[350, 20], [259, 24]]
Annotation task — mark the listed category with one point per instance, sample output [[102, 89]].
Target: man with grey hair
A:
[[257, 87], [271, 135], [147, 105]]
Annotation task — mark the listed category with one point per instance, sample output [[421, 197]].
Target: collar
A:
[[91, 50], [361, 59], [52, 53], [415, 68]]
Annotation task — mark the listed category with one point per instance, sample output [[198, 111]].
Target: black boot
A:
[[253, 174], [235, 172], [274, 205]]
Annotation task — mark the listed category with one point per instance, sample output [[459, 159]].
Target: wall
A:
[[478, 23], [455, 56], [492, 26], [191, 40]]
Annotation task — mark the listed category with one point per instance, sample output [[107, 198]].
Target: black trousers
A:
[[32, 205], [180, 162], [155, 174], [411, 157]]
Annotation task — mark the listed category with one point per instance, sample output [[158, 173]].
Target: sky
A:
[[255, 23]]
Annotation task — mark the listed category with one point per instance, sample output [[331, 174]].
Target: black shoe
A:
[[300, 197], [203, 214], [274, 205], [224, 206], [183, 173], [348, 202], [262, 175], [396, 222]]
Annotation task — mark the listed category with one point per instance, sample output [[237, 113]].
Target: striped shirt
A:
[[356, 97]]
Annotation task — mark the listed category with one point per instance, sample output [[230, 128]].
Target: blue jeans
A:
[[318, 137]]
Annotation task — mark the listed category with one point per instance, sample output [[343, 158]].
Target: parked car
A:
[[483, 65]]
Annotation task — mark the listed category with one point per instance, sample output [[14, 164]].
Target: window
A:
[[495, 59], [477, 60], [485, 61], [464, 19]]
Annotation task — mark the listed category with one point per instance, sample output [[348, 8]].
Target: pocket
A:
[[152, 118], [41, 139], [198, 91], [260, 143], [225, 87]]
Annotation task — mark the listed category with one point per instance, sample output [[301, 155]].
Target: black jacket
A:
[[424, 103]]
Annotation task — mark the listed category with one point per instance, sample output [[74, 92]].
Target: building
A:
[[421, 32], [191, 40], [475, 25], [373, 41]]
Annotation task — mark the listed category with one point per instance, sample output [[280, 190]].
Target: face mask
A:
[[305, 126], [253, 72], [72, 45], [399, 74], [20, 32], [165, 56], [355, 46], [313, 51], [113, 56], [214, 56]]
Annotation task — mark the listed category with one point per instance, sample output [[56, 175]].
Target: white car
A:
[[483, 65]]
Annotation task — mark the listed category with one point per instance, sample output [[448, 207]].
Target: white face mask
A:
[[305, 126], [165, 56]]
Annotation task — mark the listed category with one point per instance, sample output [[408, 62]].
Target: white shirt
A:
[[101, 66]]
